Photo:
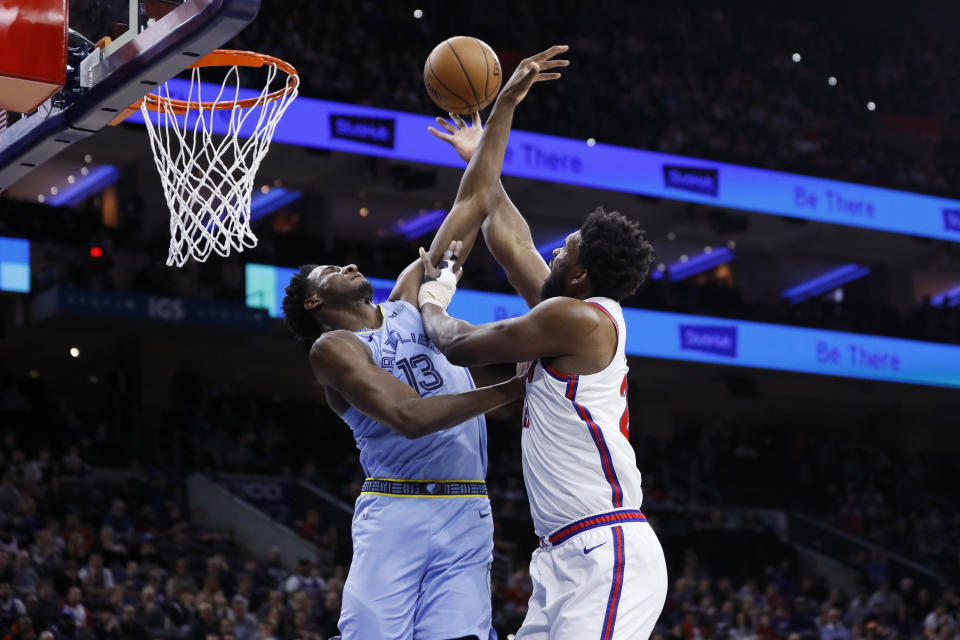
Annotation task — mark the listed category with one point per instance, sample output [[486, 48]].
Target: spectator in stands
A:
[[10, 498], [884, 602], [859, 606], [833, 628], [96, 579], [219, 578], [310, 528], [11, 607], [118, 520], [938, 625], [47, 549], [130, 627], [275, 570], [72, 464], [74, 525], [181, 579], [206, 622], [274, 601], [114, 554], [25, 577], [244, 624], [148, 610], [46, 605], [180, 609], [742, 629], [306, 579], [265, 631], [74, 609]]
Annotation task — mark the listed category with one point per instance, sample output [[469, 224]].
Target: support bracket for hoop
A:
[[153, 56]]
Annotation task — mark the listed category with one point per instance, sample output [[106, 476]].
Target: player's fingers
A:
[[446, 137], [552, 51], [552, 64], [459, 273], [427, 267], [457, 120], [446, 125], [548, 76], [476, 119]]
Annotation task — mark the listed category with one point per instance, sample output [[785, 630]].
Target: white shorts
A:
[[606, 583]]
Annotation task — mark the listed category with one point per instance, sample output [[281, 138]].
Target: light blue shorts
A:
[[420, 569]]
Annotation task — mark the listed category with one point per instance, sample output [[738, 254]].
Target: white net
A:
[[208, 161]]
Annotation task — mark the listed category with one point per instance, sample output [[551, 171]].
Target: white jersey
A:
[[577, 458]]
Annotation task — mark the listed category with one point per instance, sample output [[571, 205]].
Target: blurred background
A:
[[168, 468]]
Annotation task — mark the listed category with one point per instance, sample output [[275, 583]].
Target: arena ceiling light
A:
[[824, 283], [694, 264], [269, 200], [421, 224], [93, 181], [950, 297]]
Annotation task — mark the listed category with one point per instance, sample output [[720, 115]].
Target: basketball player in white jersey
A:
[[600, 570]]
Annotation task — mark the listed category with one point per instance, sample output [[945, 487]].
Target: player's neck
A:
[[362, 314]]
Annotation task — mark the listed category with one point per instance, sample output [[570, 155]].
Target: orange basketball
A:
[[462, 74]]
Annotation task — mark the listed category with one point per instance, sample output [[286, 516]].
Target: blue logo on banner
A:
[[695, 179], [951, 219], [721, 341], [376, 131]]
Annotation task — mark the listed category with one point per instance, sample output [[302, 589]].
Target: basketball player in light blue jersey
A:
[[422, 531]]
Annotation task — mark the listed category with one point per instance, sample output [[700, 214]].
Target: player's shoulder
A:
[[568, 310], [334, 348]]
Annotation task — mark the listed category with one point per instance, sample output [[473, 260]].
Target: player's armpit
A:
[[551, 329]]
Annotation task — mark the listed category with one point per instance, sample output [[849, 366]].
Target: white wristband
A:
[[440, 290]]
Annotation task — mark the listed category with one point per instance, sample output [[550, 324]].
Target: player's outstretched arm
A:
[[480, 185], [551, 329], [509, 240], [506, 232], [341, 362]]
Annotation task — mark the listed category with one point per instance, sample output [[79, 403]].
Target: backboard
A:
[[118, 51]]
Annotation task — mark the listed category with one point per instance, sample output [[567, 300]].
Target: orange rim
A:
[[227, 58]]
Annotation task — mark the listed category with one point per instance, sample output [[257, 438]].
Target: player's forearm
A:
[[482, 177], [446, 333], [422, 416]]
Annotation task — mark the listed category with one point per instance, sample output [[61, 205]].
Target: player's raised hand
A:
[[461, 137], [440, 281], [533, 69]]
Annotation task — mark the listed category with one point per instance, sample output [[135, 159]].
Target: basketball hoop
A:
[[208, 172]]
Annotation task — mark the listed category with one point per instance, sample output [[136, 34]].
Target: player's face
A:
[[340, 283], [565, 260]]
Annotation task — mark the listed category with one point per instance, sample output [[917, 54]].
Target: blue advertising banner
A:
[[147, 307], [323, 124], [676, 336], [14, 264]]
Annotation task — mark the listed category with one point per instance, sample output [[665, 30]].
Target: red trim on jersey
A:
[[553, 372], [606, 460], [604, 309]]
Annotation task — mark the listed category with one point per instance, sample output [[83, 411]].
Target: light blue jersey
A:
[[421, 564], [401, 347]]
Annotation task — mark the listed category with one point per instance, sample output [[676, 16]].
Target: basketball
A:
[[462, 74]]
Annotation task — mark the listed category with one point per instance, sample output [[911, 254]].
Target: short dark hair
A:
[[301, 321], [615, 253]]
